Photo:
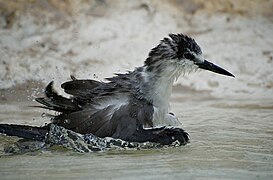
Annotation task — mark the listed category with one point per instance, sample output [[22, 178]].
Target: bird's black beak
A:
[[212, 67]]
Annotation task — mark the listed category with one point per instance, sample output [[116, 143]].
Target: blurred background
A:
[[45, 40]]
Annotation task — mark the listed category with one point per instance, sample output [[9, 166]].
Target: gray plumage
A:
[[129, 106]]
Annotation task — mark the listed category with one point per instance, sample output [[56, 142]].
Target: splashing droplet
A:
[[66, 121], [95, 76], [43, 115]]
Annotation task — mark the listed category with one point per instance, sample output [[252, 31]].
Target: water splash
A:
[[70, 140], [90, 143]]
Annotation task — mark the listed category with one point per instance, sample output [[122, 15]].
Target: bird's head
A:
[[182, 53]]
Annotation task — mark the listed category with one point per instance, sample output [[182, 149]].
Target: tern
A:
[[133, 106]]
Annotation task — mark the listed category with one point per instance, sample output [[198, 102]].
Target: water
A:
[[230, 139]]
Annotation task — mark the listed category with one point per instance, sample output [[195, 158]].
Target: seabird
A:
[[133, 106]]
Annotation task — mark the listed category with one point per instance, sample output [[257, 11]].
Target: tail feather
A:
[[53, 101], [26, 132]]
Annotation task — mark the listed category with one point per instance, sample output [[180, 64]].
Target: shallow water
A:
[[230, 139]]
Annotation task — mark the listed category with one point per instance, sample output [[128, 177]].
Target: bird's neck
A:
[[156, 86], [157, 83]]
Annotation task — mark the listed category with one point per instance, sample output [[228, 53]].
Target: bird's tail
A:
[[26, 132]]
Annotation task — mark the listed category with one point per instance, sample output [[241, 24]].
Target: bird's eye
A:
[[189, 56]]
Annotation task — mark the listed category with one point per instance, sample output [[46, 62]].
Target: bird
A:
[[132, 106]]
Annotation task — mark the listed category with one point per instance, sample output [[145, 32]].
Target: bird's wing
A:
[[109, 118], [87, 90], [81, 88], [114, 113]]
